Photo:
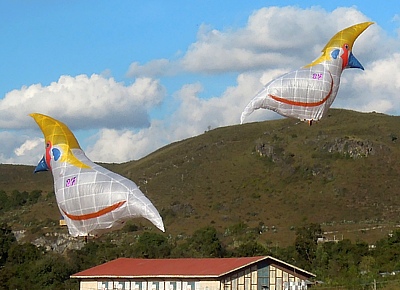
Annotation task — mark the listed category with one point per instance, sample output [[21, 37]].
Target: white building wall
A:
[[282, 280], [209, 285], [88, 285], [149, 285]]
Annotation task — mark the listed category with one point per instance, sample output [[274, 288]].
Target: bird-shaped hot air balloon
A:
[[307, 93], [91, 199]]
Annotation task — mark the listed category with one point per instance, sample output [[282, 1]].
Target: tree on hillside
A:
[[204, 243], [18, 198], [342, 259], [306, 243], [22, 253], [152, 245], [96, 252], [34, 196], [53, 272], [251, 249], [3, 200], [7, 240], [387, 253]]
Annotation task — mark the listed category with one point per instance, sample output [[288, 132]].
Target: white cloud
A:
[[84, 102], [28, 146], [123, 145], [17, 148], [377, 88], [273, 37], [154, 68]]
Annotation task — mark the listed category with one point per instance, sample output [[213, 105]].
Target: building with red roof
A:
[[245, 273]]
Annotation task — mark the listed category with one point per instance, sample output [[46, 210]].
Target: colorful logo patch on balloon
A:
[[317, 76], [70, 181]]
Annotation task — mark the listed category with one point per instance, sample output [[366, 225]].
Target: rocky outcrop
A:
[[56, 242], [59, 242], [345, 146], [352, 148]]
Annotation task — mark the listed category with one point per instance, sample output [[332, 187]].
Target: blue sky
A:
[[129, 77]]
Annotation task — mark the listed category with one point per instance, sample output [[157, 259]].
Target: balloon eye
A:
[[346, 46], [56, 154], [335, 53], [47, 144]]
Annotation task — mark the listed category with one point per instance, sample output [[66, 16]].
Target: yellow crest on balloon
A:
[[346, 36], [59, 135]]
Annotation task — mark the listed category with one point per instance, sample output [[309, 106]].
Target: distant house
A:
[[247, 273]]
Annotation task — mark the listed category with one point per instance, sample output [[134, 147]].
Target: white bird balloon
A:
[[307, 93], [91, 199]]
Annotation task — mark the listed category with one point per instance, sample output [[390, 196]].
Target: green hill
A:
[[272, 177]]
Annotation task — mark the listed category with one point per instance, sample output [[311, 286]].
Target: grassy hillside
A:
[[272, 176], [21, 177]]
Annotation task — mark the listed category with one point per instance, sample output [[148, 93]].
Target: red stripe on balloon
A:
[[302, 104], [95, 214]]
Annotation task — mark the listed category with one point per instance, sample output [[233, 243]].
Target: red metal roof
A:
[[204, 267]]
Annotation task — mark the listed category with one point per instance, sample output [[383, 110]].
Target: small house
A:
[[245, 273]]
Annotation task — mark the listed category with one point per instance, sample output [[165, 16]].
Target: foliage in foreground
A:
[[344, 263]]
